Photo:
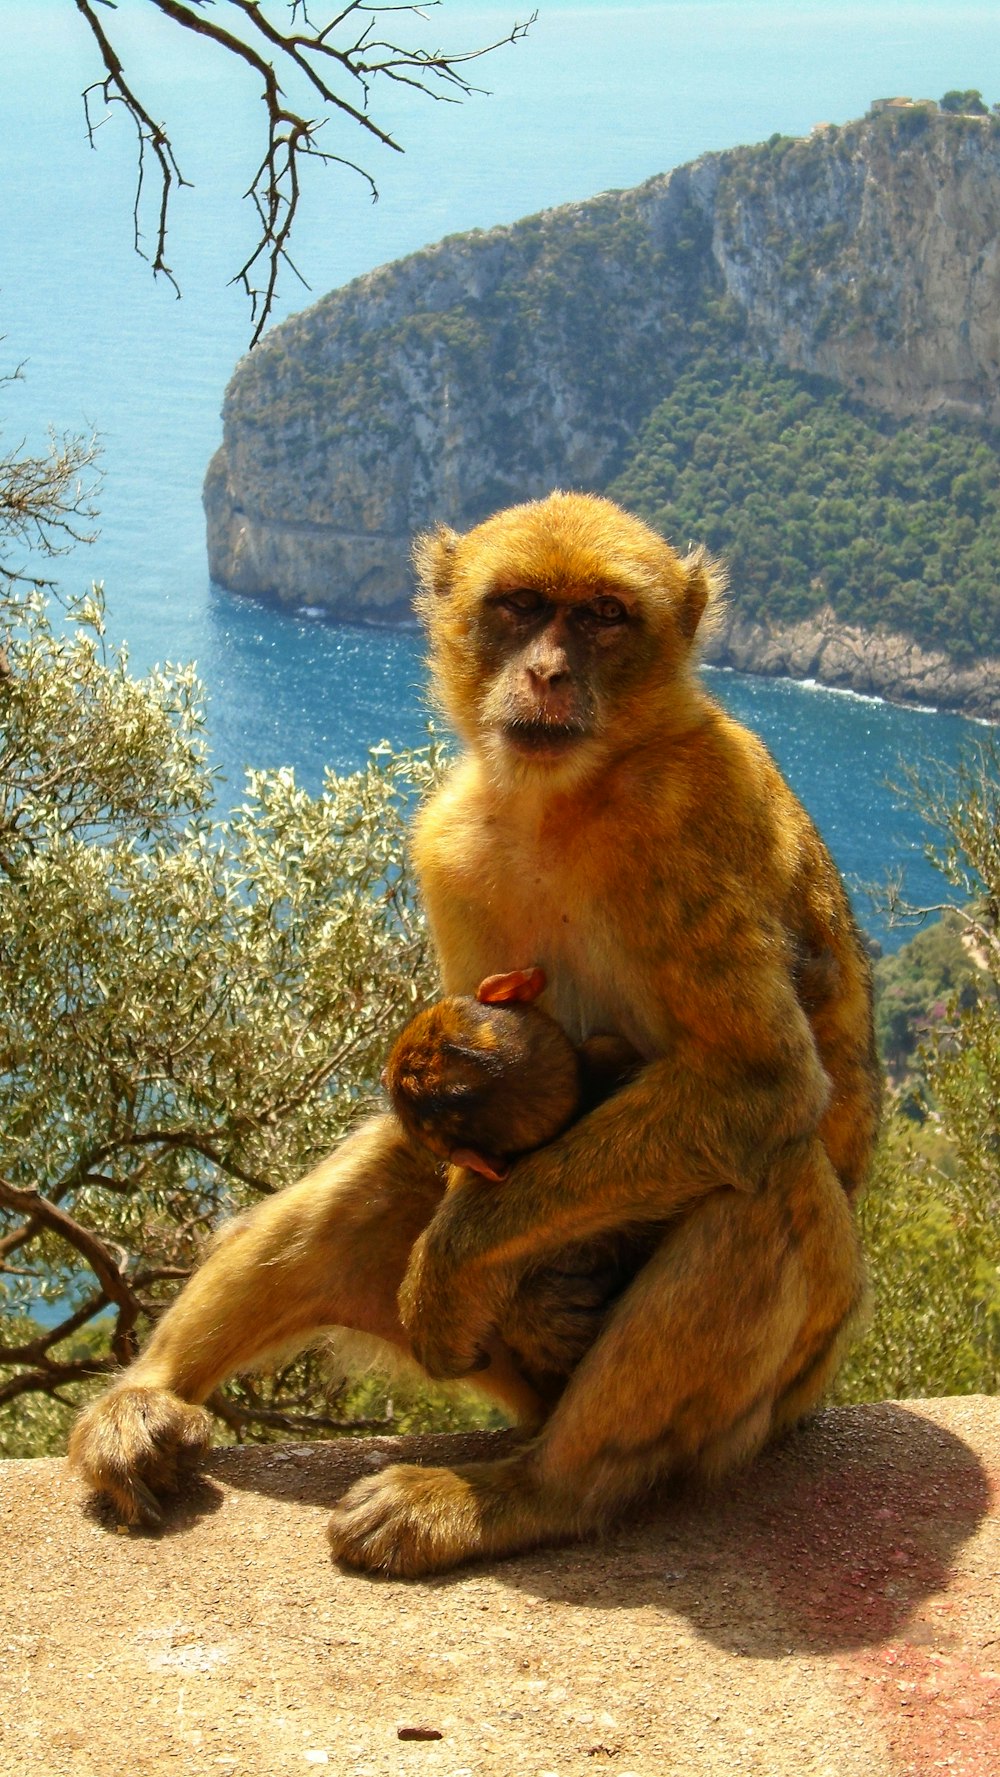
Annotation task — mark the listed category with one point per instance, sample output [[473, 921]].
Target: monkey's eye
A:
[[606, 611], [524, 601]]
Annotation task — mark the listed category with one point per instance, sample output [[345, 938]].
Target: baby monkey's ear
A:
[[521, 985]]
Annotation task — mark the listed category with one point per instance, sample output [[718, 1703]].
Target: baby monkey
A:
[[480, 1080]]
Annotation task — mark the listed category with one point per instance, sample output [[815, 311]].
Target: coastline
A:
[[869, 663], [817, 651]]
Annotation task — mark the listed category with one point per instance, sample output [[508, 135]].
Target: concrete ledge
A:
[[835, 1612]]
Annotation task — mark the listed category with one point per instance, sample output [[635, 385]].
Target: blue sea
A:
[[598, 96]]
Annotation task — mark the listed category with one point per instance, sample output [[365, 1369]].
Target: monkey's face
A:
[[560, 631]]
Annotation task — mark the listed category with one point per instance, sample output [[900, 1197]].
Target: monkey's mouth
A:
[[540, 738]]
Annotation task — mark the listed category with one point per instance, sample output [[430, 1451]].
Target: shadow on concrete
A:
[[831, 1540], [198, 1498]]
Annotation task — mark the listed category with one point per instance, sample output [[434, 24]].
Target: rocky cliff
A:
[[845, 656], [497, 365], [872, 255]]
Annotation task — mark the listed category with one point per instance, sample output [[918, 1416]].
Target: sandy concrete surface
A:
[[834, 1612]]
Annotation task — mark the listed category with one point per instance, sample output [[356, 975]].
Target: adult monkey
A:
[[610, 824]]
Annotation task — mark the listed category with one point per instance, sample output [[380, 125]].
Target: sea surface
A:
[[598, 96]]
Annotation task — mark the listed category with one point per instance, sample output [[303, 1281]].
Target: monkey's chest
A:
[[552, 913]]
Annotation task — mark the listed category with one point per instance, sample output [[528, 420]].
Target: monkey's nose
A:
[[546, 678]]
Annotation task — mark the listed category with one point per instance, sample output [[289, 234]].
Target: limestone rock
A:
[[499, 364], [875, 663]]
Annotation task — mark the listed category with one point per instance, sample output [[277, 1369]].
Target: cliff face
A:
[[872, 255], [874, 663], [497, 365], [485, 370]]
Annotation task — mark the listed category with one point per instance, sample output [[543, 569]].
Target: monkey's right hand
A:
[[134, 1444]]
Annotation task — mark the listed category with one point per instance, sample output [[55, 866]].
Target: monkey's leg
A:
[[743, 1301], [328, 1251]]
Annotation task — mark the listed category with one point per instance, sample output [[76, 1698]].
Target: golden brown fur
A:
[[671, 1279]]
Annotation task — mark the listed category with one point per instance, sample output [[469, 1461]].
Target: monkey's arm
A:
[[742, 1082]]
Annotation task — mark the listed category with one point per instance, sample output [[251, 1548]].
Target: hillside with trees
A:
[[815, 501]]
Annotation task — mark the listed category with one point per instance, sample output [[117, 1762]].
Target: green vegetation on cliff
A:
[[353, 405], [917, 988], [814, 502]]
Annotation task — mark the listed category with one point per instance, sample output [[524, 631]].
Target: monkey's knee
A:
[[134, 1445], [687, 1376]]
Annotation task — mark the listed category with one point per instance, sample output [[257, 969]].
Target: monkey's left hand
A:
[[448, 1309]]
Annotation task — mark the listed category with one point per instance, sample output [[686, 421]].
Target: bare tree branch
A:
[[116, 90], [314, 54], [53, 1375], [46, 502], [34, 1351], [238, 1418]]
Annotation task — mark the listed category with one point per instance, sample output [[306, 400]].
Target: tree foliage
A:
[[967, 103], [931, 1239], [815, 502], [916, 990], [194, 1006], [931, 1221]]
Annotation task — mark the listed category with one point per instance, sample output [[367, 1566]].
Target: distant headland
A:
[[790, 352]]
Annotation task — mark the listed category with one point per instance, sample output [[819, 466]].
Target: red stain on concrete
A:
[[866, 1563], [938, 1711], [853, 1551], [935, 1696]]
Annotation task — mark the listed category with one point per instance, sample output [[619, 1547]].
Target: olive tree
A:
[[194, 1004], [931, 1220]]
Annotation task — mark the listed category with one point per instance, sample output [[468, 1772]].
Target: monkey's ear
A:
[[704, 584], [433, 557], [487, 1165], [522, 985]]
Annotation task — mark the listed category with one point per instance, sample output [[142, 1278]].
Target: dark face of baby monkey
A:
[[479, 1079]]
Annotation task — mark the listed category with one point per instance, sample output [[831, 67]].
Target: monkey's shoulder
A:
[[742, 805], [452, 826]]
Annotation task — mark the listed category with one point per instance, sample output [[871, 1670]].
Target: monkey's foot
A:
[[410, 1521], [136, 1444]]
